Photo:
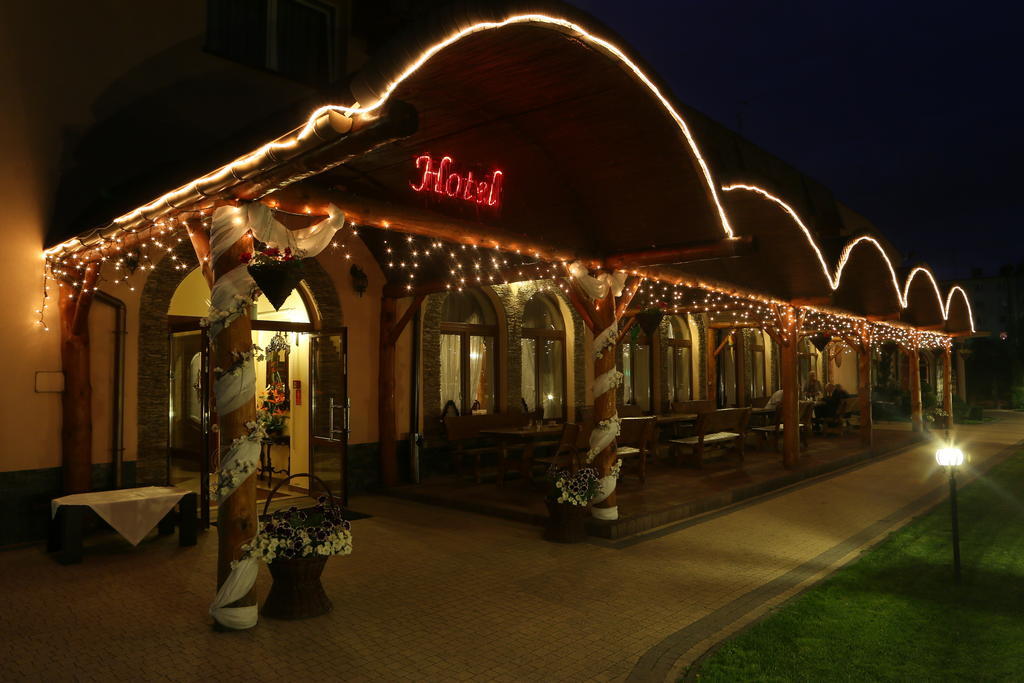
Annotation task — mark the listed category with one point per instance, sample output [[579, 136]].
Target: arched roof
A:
[[594, 155]]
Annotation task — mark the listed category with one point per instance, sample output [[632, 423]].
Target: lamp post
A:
[[951, 458]]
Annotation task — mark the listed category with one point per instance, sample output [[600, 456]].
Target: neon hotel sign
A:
[[439, 177]]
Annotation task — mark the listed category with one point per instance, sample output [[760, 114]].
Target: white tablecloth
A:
[[132, 512]]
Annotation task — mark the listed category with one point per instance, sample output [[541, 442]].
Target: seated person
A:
[[813, 387], [830, 406], [775, 400]]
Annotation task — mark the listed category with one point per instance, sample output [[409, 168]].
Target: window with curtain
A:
[[469, 352], [726, 370], [754, 341], [543, 347], [636, 369], [678, 346]]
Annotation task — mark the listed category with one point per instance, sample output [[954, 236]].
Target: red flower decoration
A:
[[245, 257]]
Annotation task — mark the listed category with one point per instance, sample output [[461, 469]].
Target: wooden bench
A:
[[716, 429], [463, 432], [776, 430], [636, 435]]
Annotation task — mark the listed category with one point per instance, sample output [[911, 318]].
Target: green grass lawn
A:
[[895, 614]]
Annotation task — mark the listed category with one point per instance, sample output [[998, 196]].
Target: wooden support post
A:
[[947, 385], [740, 363], [914, 386], [391, 328], [76, 401], [864, 394], [236, 518], [789, 363], [711, 366], [388, 435]]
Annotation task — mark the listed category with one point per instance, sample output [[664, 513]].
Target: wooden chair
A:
[[463, 432], [716, 429], [636, 435], [806, 424], [839, 424], [568, 453], [759, 402]]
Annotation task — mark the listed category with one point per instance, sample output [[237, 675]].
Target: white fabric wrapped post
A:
[[235, 387], [599, 289]]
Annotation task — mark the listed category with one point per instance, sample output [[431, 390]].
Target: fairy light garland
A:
[[406, 256]]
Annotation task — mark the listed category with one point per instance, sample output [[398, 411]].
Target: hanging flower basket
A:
[[277, 280], [296, 545], [276, 272], [649, 319]]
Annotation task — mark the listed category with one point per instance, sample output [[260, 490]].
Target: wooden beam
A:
[[811, 301], [630, 290], [914, 368], [236, 519], [398, 290], [398, 120], [76, 401], [624, 330], [947, 385], [388, 432], [415, 221], [688, 252], [864, 394], [396, 330], [789, 364]]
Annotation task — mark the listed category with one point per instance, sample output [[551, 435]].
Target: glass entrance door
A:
[[188, 461], [329, 422]]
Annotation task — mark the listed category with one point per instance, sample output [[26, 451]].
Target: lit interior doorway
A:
[[301, 393]]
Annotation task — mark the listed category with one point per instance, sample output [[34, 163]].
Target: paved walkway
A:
[[436, 594]]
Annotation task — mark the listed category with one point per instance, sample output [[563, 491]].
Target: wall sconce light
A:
[[359, 280]]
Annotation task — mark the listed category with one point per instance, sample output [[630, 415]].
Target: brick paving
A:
[[437, 594]]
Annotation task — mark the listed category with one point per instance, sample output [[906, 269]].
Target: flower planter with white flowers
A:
[[296, 544]]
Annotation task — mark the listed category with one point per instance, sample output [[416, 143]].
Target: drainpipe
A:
[[117, 412], [415, 439]]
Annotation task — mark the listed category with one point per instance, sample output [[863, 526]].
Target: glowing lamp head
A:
[[949, 456]]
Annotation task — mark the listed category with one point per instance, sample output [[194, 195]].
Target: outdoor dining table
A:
[[131, 512], [528, 437]]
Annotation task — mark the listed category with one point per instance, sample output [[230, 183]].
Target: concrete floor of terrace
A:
[[671, 492], [438, 594]]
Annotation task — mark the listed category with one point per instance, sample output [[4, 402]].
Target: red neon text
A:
[[437, 177]]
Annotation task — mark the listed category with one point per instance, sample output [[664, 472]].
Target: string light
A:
[[834, 280]]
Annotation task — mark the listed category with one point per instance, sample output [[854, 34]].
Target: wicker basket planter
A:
[[296, 592], [566, 523]]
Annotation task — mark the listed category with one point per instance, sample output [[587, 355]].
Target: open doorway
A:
[[301, 392]]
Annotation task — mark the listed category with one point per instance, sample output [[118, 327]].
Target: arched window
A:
[[469, 352], [679, 348], [636, 369], [543, 347]]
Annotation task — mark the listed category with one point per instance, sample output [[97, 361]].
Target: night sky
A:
[[909, 111]]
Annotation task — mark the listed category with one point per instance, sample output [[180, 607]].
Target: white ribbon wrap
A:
[[230, 299], [238, 584], [234, 388]]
